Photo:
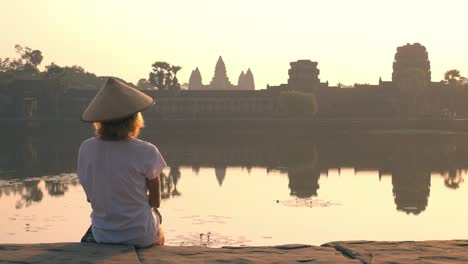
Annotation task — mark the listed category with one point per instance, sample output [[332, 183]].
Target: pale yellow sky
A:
[[353, 41]]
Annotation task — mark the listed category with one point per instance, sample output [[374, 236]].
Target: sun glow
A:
[[353, 41]]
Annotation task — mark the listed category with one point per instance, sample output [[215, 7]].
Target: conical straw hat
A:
[[116, 100]]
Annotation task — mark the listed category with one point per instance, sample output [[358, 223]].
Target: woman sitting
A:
[[117, 170]]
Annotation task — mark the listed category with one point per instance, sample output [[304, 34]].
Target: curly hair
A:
[[120, 129]]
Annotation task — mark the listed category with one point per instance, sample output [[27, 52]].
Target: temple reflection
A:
[[220, 173], [56, 188], [411, 187], [410, 161], [169, 183], [453, 178], [303, 181]]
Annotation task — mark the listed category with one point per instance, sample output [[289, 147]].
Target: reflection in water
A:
[[304, 175], [169, 183], [409, 160], [453, 178], [220, 173], [25, 156], [31, 194], [29, 191], [303, 181], [196, 169], [56, 188], [411, 187]]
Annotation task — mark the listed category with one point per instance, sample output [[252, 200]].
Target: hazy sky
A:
[[353, 41]]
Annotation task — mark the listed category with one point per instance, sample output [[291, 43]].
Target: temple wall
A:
[[373, 101], [354, 103], [188, 104]]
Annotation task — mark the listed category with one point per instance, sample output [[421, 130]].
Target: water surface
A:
[[254, 189]]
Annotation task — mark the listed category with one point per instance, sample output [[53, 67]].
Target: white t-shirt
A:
[[114, 176]]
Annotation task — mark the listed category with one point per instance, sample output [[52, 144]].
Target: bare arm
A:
[[154, 187]]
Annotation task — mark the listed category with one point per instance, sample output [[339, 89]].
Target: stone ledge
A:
[[433, 252], [67, 253], [277, 254]]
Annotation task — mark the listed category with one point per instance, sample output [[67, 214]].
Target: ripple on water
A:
[[33, 224], [210, 219], [307, 202], [208, 239]]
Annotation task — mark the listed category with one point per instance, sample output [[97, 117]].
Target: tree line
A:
[[25, 66], [163, 75], [454, 79]]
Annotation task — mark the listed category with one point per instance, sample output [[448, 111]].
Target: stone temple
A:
[[220, 81], [410, 94]]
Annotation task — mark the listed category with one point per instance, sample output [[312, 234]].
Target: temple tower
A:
[[220, 80], [195, 81], [249, 83], [411, 75], [303, 75], [241, 81], [411, 67]]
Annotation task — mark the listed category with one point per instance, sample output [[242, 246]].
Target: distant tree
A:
[[157, 77], [454, 78], [4, 64], [452, 75], [164, 76], [31, 57], [175, 85], [295, 103], [24, 67], [52, 70], [143, 84], [74, 77]]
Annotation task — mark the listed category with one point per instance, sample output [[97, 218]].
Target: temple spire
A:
[[220, 172], [241, 81], [220, 80], [249, 82], [195, 81], [220, 66]]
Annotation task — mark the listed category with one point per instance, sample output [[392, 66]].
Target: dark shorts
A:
[[88, 236]]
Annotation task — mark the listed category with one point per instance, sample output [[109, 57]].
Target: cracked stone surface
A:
[[67, 253], [277, 254], [431, 252]]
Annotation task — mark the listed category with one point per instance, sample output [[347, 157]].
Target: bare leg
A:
[[161, 239]]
